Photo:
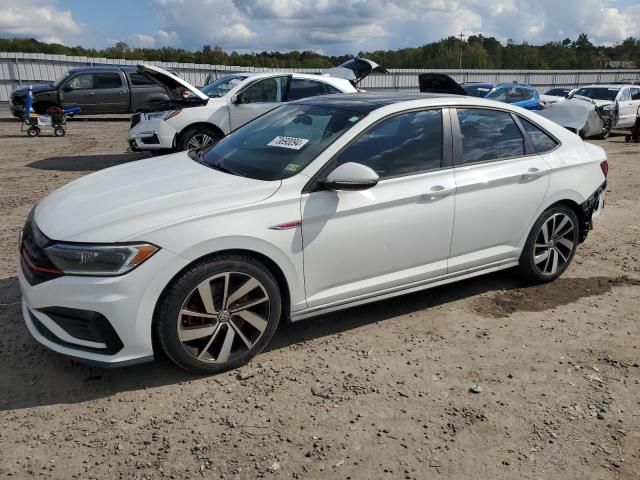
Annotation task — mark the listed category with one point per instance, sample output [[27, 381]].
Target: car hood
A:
[[439, 83], [355, 69], [175, 84], [43, 87], [126, 202]]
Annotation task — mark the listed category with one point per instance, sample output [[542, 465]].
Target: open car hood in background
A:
[[174, 84], [355, 69], [578, 114], [439, 83]]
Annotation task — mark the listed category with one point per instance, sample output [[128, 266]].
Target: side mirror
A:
[[351, 176], [235, 99], [67, 88]]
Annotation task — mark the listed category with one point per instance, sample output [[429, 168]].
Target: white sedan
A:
[[210, 113], [319, 205]]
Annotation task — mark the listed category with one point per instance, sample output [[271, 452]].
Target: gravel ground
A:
[[381, 391]]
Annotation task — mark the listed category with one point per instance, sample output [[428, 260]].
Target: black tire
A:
[[191, 133], [59, 132], [606, 131], [542, 271], [183, 294], [33, 132]]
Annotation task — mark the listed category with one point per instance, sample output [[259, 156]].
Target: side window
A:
[[488, 135], [541, 141], [625, 95], [404, 144], [635, 94], [303, 88], [500, 95], [527, 93], [330, 89], [514, 95], [108, 80], [140, 79], [83, 81], [265, 91]]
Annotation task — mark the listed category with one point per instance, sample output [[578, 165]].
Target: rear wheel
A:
[[194, 138], [551, 245], [218, 314], [33, 132]]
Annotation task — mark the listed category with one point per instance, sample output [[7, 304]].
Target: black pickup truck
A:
[[96, 90]]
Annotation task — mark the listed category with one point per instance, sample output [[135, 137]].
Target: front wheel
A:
[[551, 245], [195, 138], [218, 314]]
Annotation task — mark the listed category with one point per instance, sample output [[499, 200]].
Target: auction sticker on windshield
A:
[[288, 142]]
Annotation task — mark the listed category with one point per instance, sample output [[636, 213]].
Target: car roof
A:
[[603, 85], [338, 82], [370, 101], [513, 84]]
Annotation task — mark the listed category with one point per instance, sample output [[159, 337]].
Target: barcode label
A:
[[288, 142]]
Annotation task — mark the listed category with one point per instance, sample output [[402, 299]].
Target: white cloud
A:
[[38, 19]]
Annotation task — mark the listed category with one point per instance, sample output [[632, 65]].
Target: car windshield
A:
[[222, 85], [598, 93], [477, 90], [280, 143], [61, 79], [499, 94], [557, 92]]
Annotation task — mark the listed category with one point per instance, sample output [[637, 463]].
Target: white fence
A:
[[18, 69]]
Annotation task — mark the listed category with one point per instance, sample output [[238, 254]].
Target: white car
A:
[[626, 98], [210, 113], [319, 205]]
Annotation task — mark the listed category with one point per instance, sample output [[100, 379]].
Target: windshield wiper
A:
[[216, 166]]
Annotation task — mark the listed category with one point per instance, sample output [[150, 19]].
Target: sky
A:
[[332, 27]]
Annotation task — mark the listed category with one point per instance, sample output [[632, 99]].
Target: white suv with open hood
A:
[[206, 115]]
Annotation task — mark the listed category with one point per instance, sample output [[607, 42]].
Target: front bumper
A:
[[151, 135], [104, 321]]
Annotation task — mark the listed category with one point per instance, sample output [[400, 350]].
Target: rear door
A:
[[303, 88], [111, 92], [259, 97], [500, 183]]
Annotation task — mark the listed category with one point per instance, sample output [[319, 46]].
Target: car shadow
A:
[[32, 375], [86, 163]]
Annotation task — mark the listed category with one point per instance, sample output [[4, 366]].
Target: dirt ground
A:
[[376, 392]]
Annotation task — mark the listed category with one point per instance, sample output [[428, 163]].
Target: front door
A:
[[500, 184], [398, 233], [627, 107], [78, 92], [258, 98]]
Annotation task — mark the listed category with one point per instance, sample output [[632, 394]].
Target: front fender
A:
[[292, 273]]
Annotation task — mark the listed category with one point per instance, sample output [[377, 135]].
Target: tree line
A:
[[474, 52]]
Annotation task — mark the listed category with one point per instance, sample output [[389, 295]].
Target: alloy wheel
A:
[[554, 244], [223, 317], [200, 140]]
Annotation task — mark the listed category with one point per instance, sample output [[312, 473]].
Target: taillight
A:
[[604, 165]]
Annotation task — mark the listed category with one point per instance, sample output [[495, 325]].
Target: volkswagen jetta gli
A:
[[319, 205]]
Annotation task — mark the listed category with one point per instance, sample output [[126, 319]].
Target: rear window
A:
[[303, 88], [542, 142], [140, 79], [488, 135]]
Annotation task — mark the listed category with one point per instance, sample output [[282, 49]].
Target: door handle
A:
[[437, 192], [92, 93], [123, 91], [532, 174]]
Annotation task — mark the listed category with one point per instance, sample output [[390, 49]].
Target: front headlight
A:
[[154, 115], [171, 114], [100, 260]]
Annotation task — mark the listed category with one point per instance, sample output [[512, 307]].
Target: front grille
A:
[[135, 119], [81, 324], [36, 266]]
